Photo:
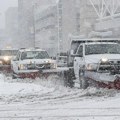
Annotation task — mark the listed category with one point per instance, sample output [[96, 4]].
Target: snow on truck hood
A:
[[37, 61], [97, 58]]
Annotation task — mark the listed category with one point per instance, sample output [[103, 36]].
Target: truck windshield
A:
[[8, 52], [102, 49], [34, 55]]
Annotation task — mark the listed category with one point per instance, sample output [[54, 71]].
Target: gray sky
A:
[[4, 4]]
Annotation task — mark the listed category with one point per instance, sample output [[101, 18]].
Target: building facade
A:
[[11, 25], [49, 23], [46, 34], [3, 39], [53, 25], [26, 21]]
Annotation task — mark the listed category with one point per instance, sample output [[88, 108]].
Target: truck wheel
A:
[[83, 81], [69, 78], [13, 76]]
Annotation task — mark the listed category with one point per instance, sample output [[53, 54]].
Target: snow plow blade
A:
[[31, 75], [114, 84], [41, 73], [66, 74], [5, 69], [111, 85]]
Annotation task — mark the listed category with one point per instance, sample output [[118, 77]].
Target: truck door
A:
[[79, 60], [15, 63]]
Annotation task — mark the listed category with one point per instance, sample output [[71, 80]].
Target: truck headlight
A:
[[23, 67], [104, 60], [1, 62], [91, 67], [48, 61], [6, 58]]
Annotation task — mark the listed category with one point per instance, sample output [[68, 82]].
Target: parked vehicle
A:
[[62, 60]]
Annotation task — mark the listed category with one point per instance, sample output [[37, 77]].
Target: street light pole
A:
[[34, 25]]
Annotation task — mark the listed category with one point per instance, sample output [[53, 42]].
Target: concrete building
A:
[[46, 34], [26, 21], [69, 20], [55, 21], [78, 18], [53, 25], [73, 17], [11, 25], [4, 42], [87, 17]]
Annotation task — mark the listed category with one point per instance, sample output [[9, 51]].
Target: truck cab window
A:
[[80, 51], [18, 56]]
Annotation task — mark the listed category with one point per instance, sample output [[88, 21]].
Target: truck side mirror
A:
[[14, 59], [71, 52], [78, 55]]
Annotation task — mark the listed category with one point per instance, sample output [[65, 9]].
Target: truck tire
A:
[[83, 81], [69, 78], [13, 76]]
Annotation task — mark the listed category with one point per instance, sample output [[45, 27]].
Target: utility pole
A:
[[34, 25]]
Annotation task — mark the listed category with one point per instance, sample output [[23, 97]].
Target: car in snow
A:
[[97, 62], [62, 61], [29, 63], [5, 58]]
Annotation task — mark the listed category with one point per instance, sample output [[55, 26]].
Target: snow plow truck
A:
[[96, 62], [36, 63]]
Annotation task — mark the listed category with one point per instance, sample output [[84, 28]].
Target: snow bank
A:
[[46, 90], [13, 91], [2, 77]]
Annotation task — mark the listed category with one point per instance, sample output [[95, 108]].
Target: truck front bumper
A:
[[5, 68], [39, 73]]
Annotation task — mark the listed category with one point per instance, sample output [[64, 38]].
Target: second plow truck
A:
[[35, 62], [5, 59], [96, 62]]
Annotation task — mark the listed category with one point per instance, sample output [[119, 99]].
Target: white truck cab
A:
[[97, 60], [30, 61]]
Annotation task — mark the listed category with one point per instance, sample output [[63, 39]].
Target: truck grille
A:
[[43, 66], [31, 67], [38, 66], [112, 66]]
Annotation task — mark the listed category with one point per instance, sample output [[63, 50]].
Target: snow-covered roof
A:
[[92, 43], [94, 39], [31, 49], [9, 49]]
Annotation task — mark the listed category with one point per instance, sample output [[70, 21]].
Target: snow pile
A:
[[49, 90], [16, 91], [2, 78], [52, 81]]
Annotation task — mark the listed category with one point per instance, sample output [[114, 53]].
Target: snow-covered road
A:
[[42, 100]]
